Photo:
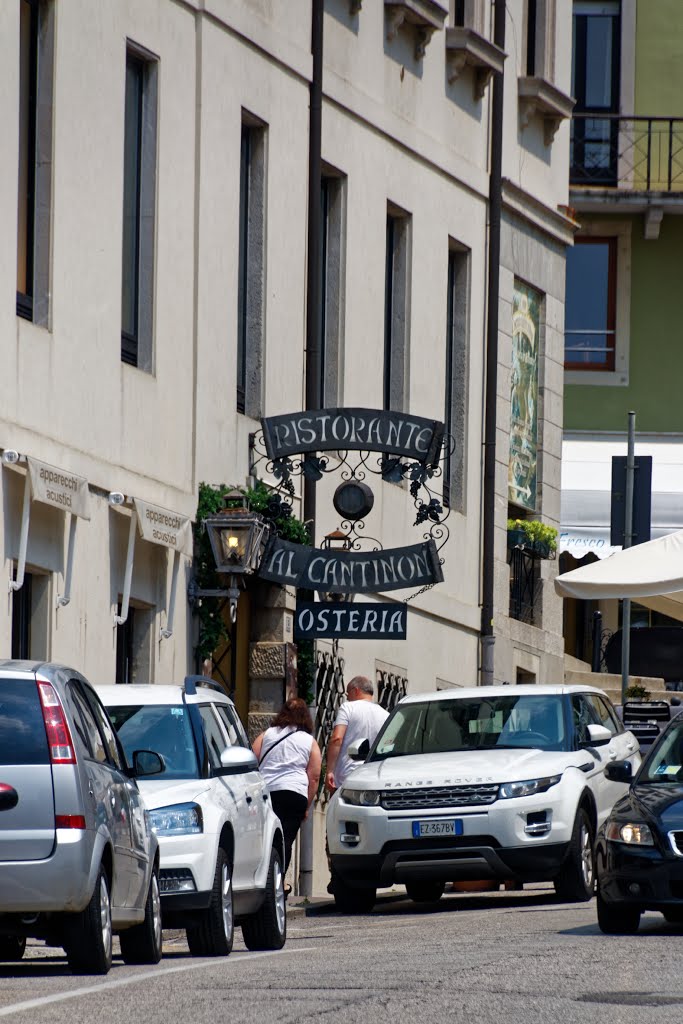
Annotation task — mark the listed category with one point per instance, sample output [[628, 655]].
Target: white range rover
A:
[[220, 842], [505, 782]]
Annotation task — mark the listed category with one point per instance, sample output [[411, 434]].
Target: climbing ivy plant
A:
[[212, 629]]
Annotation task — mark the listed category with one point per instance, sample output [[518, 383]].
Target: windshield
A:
[[475, 723], [164, 728], [664, 763]]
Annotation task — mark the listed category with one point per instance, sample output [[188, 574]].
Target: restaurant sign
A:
[[393, 433], [316, 620], [351, 572]]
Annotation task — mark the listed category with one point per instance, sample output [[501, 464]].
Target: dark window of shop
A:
[[124, 648], [595, 87], [455, 418], [590, 304], [396, 311], [332, 196], [459, 12], [30, 618], [139, 203], [251, 268], [36, 40]]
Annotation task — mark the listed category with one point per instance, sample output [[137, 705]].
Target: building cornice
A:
[[559, 225]]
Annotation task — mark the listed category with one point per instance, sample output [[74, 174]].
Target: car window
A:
[[583, 714], [604, 714], [22, 732], [113, 752], [95, 741], [473, 723], [664, 763], [164, 728], [216, 742], [232, 725]]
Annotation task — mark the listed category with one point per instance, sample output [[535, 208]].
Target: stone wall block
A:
[[267, 661]]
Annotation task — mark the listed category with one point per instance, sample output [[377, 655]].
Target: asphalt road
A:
[[505, 957]]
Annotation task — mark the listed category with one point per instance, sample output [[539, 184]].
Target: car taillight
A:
[[58, 735], [69, 821]]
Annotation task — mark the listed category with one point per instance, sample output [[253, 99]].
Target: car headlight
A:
[[361, 797], [635, 833], [177, 820], [529, 788]]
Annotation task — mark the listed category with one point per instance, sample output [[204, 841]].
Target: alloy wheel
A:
[[587, 866], [226, 899], [105, 916], [156, 910], [279, 894]]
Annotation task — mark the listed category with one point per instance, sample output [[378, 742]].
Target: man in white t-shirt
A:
[[358, 718]]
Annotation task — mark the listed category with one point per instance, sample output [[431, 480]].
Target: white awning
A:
[[158, 526], [586, 490], [650, 573]]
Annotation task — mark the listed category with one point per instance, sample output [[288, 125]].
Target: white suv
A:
[[485, 783], [221, 844]]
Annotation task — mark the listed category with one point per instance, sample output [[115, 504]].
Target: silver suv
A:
[[222, 851], [78, 859]]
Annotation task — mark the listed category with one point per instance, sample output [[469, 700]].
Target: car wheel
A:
[[88, 935], [12, 948], [353, 901], [267, 928], [674, 915], [576, 880], [142, 943], [213, 934], [617, 918], [425, 892]]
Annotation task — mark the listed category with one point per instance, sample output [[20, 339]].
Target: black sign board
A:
[[375, 430], [642, 499], [351, 572], [346, 621]]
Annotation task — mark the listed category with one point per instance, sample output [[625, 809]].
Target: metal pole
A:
[[491, 397], [628, 539], [313, 335]]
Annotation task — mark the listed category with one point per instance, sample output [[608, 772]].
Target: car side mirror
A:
[[147, 762], [598, 736], [358, 750], [619, 771], [237, 761]]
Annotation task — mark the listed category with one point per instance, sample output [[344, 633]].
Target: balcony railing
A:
[[638, 153]]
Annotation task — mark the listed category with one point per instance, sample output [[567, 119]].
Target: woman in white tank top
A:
[[290, 762]]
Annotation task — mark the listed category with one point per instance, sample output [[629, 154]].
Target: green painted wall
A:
[[655, 390], [659, 58]]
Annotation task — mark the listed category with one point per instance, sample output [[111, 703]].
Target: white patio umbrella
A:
[[650, 573]]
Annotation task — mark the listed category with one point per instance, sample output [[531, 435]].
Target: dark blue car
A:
[[639, 852]]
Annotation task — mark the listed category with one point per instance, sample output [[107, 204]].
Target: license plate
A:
[[437, 828]]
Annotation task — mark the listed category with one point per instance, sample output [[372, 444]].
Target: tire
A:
[[576, 881], [674, 915], [214, 933], [267, 928], [617, 918], [88, 935], [12, 948], [425, 892], [142, 943], [353, 901]]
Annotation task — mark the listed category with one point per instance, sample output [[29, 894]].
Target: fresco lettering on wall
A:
[[522, 468]]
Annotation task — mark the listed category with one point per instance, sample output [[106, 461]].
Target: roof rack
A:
[[192, 682]]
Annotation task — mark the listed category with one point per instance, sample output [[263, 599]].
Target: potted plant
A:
[[532, 535]]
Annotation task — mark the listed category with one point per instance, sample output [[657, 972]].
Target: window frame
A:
[[397, 282], [137, 347], [611, 313], [251, 266], [456, 372]]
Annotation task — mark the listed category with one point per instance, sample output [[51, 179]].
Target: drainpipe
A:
[[313, 339], [490, 401]]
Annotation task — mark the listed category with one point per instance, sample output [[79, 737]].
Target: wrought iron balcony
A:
[[631, 153]]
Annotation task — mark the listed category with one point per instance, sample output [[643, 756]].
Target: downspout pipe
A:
[[490, 399], [313, 332]]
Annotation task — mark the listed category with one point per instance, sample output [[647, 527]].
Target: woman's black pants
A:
[[290, 808]]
